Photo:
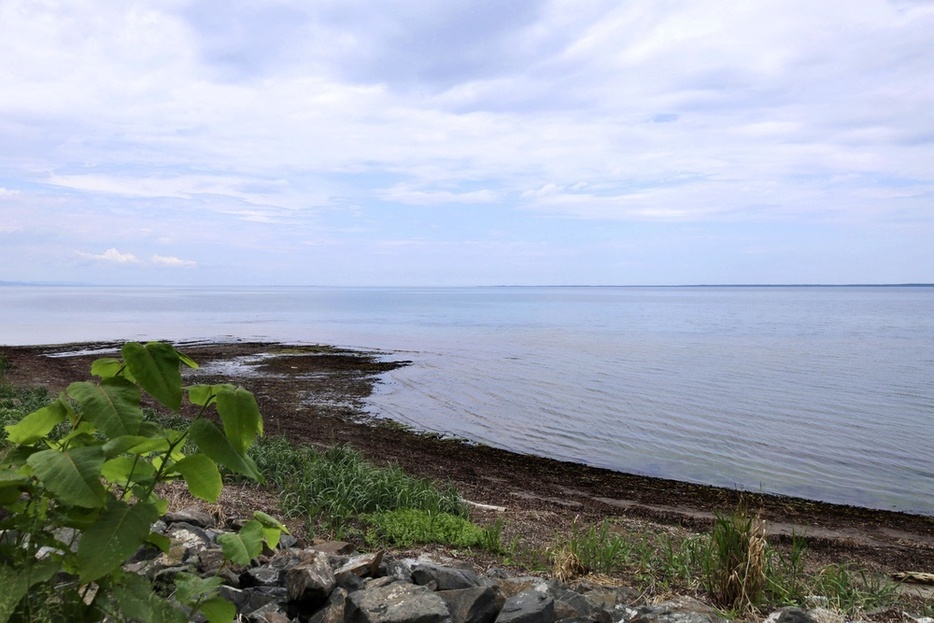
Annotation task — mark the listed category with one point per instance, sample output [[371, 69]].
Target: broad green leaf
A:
[[134, 598], [272, 536], [203, 395], [201, 475], [107, 367], [270, 521], [155, 367], [218, 610], [188, 361], [240, 415], [243, 546], [73, 476], [37, 424], [149, 429], [190, 588], [124, 470], [135, 444], [9, 496], [16, 583], [162, 542], [115, 537], [112, 406], [11, 478], [212, 442]]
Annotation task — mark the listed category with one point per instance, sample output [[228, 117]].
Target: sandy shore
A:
[[316, 395]]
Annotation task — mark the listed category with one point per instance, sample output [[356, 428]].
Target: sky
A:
[[466, 142]]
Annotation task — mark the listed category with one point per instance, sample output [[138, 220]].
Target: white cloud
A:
[[175, 262], [211, 122], [112, 256]]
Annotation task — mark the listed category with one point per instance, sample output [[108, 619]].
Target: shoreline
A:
[[327, 388]]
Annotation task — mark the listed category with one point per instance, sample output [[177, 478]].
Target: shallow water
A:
[[816, 392]]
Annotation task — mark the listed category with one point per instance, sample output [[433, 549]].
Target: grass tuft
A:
[[408, 527]]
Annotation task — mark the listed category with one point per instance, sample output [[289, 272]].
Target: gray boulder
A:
[[479, 604], [396, 603], [530, 606], [444, 578], [310, 583]]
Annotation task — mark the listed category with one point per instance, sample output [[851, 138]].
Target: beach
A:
[[317, 394]]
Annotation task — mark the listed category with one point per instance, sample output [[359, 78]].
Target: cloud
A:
[[174, 262], [112, 256], [232, 125]]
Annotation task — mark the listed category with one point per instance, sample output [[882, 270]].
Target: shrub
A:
[[75, 505]]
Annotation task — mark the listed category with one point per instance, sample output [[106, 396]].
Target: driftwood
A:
[[917, 577]]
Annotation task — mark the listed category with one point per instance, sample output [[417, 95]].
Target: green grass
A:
[[407, 527], [18, 402], [336, 485], [716, 563]]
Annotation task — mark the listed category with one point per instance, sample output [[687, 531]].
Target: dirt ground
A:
[[316, 395]]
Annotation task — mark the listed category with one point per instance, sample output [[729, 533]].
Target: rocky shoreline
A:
[[330, 582]]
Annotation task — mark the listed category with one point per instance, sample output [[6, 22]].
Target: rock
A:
[[679, 610], [311, 582], [337, 548], [267, 575], [208, 561], [333, 610], [397, 569], [479, 604], [445, 578], [270, 613], [192, 537], [607, 596], [513, 586], [361, 566], [825, 615], [396, 603], [529, 606], [789, 615], [573, 605], [192, 516]]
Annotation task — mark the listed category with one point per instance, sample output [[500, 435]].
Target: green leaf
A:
[[37, 424], [212, 442], [162, 542], [107, 367], [189, 588], [201, 475], [134, 598], [272, 536], [240, 415], [135, 444], [124, 470], [73, 476], [115, 537], [243, 546], [16, 583], [112, 406], [218, 610], [269, 521], [155, 367], [188, 361], [203, 395]]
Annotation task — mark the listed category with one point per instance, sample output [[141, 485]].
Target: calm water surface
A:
[[826, 393]]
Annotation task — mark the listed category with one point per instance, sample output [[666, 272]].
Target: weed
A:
[[735, 570], [407, 527], [854, 590]]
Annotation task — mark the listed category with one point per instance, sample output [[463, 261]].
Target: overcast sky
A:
[[467, 142]]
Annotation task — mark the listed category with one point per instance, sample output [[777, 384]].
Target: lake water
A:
[[818, 392]]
